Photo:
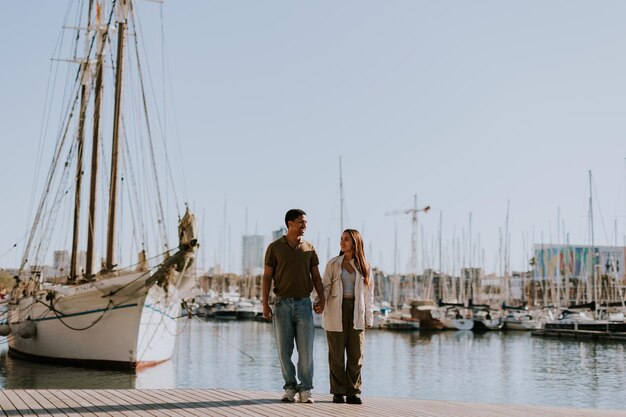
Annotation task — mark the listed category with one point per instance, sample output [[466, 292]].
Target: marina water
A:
[[493, 367]]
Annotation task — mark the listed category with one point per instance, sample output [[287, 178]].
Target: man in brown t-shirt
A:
[[292, 263]]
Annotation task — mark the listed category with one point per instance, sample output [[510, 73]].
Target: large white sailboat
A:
[[86, 311]]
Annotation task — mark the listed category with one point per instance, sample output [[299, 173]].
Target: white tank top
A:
[[348, 280]]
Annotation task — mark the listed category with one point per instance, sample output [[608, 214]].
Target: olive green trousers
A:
[[345, 354]]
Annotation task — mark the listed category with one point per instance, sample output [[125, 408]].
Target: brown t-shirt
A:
[[292, 267]]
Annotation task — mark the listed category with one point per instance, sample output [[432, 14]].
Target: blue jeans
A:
[[293, 320]]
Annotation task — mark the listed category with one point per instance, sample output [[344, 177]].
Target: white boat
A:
[[575, 321], [109, 316], [521, 321], [247, 310], [455, 318], [131, 327]]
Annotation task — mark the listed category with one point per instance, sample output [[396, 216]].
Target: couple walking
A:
[[344, 298]]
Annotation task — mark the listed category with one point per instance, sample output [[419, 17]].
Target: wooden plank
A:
[[8, 409], [276, 404], [129, 404], [81, 404], [323, 406], [43, 402], [250, 402], [268, 403], [71, 407], [20, 406], [234, 402], [153, 407], [118, 405], [36, 402], [190, 405], [99, 405], [169, 407], [241, 403], [55, 402], [176, 402]]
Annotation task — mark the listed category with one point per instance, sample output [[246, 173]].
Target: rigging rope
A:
[[162, 123], [63, 134], [161, 212], [59, 315]]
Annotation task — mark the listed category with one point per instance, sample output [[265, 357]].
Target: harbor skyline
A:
[[471, 107], [158, 170]]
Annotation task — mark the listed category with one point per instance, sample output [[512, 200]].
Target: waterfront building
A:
[[571, 274], [558, 261], [252, 254]]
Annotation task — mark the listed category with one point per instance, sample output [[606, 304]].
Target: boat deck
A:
[[223, 402], [581, 334]]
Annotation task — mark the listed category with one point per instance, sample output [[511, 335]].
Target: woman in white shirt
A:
[[349, 292]]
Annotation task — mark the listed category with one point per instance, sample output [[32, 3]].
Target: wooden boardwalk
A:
[[222, 402]]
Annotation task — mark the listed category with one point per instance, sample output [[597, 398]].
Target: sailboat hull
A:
[[129, 330]]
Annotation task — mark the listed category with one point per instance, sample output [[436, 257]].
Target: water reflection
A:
[[501, 367], [17, 374]]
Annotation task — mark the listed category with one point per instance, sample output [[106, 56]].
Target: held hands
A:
[[318, 307]]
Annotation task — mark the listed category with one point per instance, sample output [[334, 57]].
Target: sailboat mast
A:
[[122, 17], [79, 172], [593, 249], [440, 243], [507, 278], [91, 224], [84, 97], [340, 197]]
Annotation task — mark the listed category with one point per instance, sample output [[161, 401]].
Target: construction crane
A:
[[413, 211]]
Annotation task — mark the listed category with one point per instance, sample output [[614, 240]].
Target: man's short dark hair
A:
[[292, 215]]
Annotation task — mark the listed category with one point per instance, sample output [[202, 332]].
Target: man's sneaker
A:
[[305, 396], [289, 396]]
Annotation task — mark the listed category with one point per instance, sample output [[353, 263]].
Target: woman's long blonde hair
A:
[[359, 254]]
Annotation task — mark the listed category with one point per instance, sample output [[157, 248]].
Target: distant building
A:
[[252, 254], [277, 234], [577, 261], [61, 263]]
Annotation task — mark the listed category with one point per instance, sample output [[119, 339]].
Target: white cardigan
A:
[[333, 292]]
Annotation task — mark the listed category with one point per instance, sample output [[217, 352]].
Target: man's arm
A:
[[319, 288], [268, 273]]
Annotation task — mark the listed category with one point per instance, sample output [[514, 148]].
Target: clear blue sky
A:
[[466, 104]]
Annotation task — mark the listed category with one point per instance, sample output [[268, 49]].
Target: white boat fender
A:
[[25, 329], [4, 330]]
